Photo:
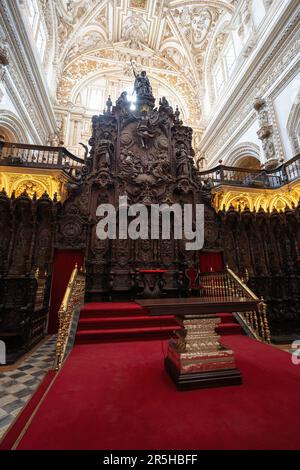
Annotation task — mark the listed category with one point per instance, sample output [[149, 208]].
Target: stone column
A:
[[3, 57], [265, 133]]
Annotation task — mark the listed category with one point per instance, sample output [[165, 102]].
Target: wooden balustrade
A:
[[38, 156], [234, 176], [227, 287], [59, 157]]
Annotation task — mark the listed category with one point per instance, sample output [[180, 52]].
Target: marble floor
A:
[[17, 384]]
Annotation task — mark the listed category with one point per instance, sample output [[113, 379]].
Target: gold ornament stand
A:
[[195, 357]]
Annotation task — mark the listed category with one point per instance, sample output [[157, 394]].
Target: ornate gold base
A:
[[195, 357]]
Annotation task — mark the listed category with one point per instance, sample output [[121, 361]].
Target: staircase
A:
[[115, 321], [228, 325]]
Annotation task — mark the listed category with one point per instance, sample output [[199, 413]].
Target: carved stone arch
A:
[[172, 44], [93, 27], [239, 202], [11, 128], [279, 203], [73, 56], [241, 152], [293, 125], [261, 202], [30, 184], [84, 20], [89, 79], [3, 182]]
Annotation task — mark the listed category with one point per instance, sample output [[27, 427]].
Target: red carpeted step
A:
[[229, 329], [119, 321], [106, 309], [89, 323], [226, 318], [117, 334]]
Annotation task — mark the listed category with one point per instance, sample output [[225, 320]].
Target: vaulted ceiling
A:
[[169, 39]]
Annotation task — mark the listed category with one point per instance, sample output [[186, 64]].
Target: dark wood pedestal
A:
[[218, 378], [196, 358]]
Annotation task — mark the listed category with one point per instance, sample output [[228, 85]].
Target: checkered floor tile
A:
[[17, 386]]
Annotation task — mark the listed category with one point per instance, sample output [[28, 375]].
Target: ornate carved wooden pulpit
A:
[[146, 155]]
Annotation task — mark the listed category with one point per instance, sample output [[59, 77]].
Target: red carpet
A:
[[19, 424], [121, 321], [116, 321], [228, 325], [118, 396]]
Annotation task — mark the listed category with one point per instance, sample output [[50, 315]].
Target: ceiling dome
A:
[[169, 39]]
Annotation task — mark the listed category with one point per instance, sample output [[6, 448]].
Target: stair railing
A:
[[226, 286], [73, 299], [257, 321]]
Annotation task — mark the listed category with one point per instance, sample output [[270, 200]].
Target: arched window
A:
[[33, 13], [219, 78], [230, 57], [293, 125], [224, 62], [38, 26]]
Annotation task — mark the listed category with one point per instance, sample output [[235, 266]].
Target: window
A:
[[95, 100], [230, 58], [38, 27], [41, 39], [219, 77], [32, 13]]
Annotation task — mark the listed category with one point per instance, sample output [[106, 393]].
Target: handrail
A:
[[40, 156], [242, 284], [72, 299], [227, 175], [259, 326], [226, 286]]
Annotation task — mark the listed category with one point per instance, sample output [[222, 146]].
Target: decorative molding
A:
[[28, 78], [293, 125], [244, 149], [284, 50], [228, 198], [13, 125]]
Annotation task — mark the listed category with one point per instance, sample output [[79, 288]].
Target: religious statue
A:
[[105, 154], [109, 104], [144, 130], [161, 167], [130, 164], [142, 85], [183, 161], [164, 105], [177, 116], [122, 102]]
